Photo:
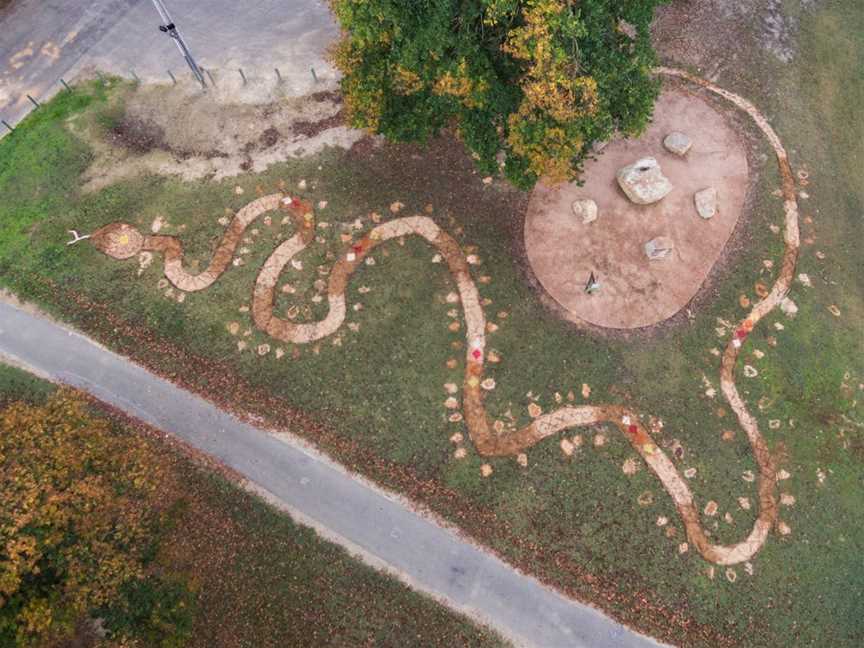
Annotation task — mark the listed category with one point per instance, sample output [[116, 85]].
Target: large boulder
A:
[[677, 143], [585, 210], [706, 202], [643, 182]]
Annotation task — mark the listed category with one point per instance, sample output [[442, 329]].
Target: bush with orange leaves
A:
[[76, 516], [537, 80]]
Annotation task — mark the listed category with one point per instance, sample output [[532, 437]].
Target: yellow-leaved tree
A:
[[77, 516]]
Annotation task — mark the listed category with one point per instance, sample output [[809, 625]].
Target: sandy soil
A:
[[637, 292], [168, 131]]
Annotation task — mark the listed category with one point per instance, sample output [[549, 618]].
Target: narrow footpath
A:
[[376, 526]]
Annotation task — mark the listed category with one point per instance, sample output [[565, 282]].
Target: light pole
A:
[[168, 27]]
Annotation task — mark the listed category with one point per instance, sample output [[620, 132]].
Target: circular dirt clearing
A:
[[635, 291]]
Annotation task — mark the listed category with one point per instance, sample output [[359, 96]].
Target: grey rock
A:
[[706, 202], [628, 29], [659, 248], [677, 143], [586, 210], [643, 181]]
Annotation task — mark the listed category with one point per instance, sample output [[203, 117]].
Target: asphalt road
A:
[[377, 526], [44, 40]]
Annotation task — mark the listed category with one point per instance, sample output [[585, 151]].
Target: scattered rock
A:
[[630, 466], [628, 29], [567, 447], [643, 182], [485, 470], [522, 459], [534, 410], [585, 210], [789, 307], [710, 508], [677, 143], [706, 202], [659, 248]]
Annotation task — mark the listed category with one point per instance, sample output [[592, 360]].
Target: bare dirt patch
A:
[[717, 36], [636, 292], [168, 131]]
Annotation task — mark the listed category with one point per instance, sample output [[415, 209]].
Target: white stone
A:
[[677, 143], [643, 182], [659, 248], [706, 202], [789, 307], [585, 210]]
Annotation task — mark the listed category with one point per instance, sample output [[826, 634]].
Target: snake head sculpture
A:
[[118, 240]]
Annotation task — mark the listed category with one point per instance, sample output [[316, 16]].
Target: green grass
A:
[[256, 578], [576, 521], [16, 385]]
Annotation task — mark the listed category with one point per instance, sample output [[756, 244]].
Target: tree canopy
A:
[[539, 80], [77, 526]]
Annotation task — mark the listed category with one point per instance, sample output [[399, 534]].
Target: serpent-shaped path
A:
[[121, 241]]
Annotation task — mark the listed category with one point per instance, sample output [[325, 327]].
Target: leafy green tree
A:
[[540, 80]]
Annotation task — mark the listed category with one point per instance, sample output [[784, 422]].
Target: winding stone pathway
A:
[[121, 240]]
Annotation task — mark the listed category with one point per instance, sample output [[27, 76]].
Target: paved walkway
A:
[[377, 525], [43, 40]]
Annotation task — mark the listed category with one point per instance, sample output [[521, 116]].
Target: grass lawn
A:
[[260, 580], [375, 398]]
